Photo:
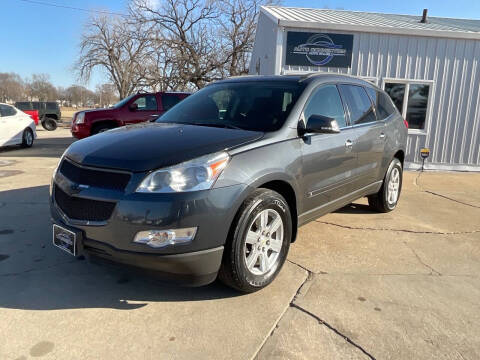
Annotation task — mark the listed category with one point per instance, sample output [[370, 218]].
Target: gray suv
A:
[[218, 185]]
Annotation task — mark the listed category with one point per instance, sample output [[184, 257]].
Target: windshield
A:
[[123, 102], [259, 106]]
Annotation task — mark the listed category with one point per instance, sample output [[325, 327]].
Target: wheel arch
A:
[[400, 155]]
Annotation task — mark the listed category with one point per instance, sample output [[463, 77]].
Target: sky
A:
[[37, 38]]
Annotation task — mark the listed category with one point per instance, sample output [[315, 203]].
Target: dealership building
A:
[[428, 65]]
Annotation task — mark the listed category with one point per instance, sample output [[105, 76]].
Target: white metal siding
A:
[[264, 49], [453, 130]]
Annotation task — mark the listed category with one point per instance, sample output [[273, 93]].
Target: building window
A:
[[412, 99]]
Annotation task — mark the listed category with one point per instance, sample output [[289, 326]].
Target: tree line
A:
[[39, 88], [160, 45], [167, 45]]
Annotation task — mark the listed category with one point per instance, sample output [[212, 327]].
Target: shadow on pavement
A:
[[49, 147], [35, 275], [356, 209]]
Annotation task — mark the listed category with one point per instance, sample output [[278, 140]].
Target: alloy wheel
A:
[[264, 242]]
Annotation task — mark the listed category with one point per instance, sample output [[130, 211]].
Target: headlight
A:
[[193, 175], [80, 117]]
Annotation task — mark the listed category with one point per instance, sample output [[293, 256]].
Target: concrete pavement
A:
[[357, 284]]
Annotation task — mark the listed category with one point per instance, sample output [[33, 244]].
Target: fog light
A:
[[162, 238]]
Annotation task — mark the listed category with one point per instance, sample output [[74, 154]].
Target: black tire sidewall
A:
[[49, 124], [394, 164], [265, 200], [24, 140]]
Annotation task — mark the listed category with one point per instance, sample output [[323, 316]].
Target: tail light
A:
[[406, 123]]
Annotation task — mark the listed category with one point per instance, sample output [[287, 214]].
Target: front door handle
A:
[[382, 136], [349, 143]]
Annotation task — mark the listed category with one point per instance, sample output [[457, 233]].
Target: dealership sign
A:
[[319, 49]]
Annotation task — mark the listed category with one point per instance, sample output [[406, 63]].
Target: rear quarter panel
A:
[[396, 133]]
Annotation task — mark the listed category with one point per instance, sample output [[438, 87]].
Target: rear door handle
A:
[[349, 143], [382, 136]]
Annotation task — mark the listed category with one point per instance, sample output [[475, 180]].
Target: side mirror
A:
[[133, 107], [320, 124]]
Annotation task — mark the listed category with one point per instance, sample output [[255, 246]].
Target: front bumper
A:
[[80, 131], [194, 263]]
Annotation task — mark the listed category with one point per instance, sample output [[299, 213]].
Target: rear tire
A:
[[387, 198], [27, 138], [49, 124], [101, 128], [259, 241]]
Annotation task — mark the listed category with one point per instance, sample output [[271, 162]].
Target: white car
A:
[[16, 127]]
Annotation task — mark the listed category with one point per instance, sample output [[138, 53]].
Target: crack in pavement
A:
[[433, 271], [306, 269], [345, 337], [399, 230], [440, 195]]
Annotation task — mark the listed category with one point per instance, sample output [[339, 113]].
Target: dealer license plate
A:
[[64, 239]]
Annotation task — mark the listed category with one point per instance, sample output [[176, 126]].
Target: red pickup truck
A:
[[134, 109]]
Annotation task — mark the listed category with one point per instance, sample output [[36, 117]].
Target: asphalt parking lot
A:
[[357, 284]]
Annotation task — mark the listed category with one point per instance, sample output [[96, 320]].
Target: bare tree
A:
[[118, 47], [12, 87], [106, 94], [201, 40], [39, 87], [237, 23]]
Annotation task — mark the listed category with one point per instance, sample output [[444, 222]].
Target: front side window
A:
[[359, 104], [169, 101], [52, 106], [411, 99], [326, 102], [146, 103], [258, 106], [7, 110]]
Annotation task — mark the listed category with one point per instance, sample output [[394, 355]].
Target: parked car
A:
[[134, 109], [220, 183], [48, 112], [16, 127], [34, 115]]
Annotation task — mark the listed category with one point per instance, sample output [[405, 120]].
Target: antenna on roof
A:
[[424, 16]]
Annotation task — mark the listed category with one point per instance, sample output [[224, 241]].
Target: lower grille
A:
[[83, 209]]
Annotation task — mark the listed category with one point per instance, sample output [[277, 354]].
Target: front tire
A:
[[259, 243], [27, 138], [97, 129], [387, 198]]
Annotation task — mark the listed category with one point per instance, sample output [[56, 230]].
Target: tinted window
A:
[[383, 104], [36, 106], [417, 105], [396, 93], [359, 104], [123, 102], [52, 105], [23, 105], [7, 110], [259, 105], [147, 102], [326, 101], [169, 101]]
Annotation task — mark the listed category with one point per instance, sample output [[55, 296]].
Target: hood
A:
[[151, 146]]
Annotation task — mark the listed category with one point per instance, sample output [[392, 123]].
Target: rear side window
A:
[[383, 104], [326, 101], [23, 105], [359, 104], [7, 110], [169, 101]]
